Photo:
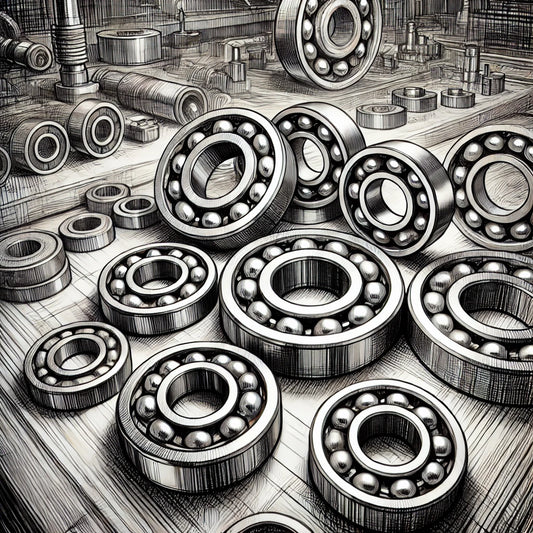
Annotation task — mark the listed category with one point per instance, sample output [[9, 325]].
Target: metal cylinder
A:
[[27, 54], [471, 63], [129, 47], [411, 37], [170, 100]]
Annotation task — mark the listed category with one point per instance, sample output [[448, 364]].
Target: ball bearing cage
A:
[[330, 43], [490, 363], [477, 215], [379, 496], [312, 341], [52, 385], [266, 185], [273, 522], [200, 454], [128, 303], [337, 138], [87, 232], [424, 183]]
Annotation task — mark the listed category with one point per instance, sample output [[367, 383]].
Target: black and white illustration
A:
[[266, 266]]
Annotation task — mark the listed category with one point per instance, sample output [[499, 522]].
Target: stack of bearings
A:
[[33, 266]]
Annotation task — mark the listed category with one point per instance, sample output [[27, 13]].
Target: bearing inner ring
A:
[[102, 130], [46, 147], [382, 420], [136, 206], [85, 224], [307, 175], [193, 377], [23, 249]]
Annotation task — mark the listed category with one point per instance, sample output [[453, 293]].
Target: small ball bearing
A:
[[135, 212], [335, 138], [381, 116], [87, 232], [454, 342], [457, 98], [319, 339], [329, 43], [261, 162], [268, 522], [397, 195], [185, 280], [199, 453], [100, 199], [53, 373], [395, 496], [479, 214], [415, 99]]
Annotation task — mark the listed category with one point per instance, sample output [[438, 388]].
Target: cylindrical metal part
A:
[[27, 54], [457, 98], [381, 116], [415, 99], [129, 47], [167, 99], [411, 37], [5, 166], [471, 63], [101, 198], [87, 232]]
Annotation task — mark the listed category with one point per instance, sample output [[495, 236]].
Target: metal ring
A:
[[131, 305], [330, 43], [205, 453], [87, 232], [381, 116], [100, 199], [265, 172], [135, 212], [418, 180], [373, 495], [478, 215], [490, 362], [5, 166], [336, 138], [261, 521], [104, 349], [316, 340], [415, 99], [457, 98]]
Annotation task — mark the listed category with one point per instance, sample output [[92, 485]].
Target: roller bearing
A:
[[318, 340], [187, 280], [199, 454], [479, 216], [268, 522], [414, 176], [457, 98], [489, 362], [135, 212], [415, 99], [57, 385], [334, 136], [100, 199], [374, 494], [381, 116], [330, 43], [260, 156], [87, 232]]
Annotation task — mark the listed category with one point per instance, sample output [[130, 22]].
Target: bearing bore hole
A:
[[191, 107], [77, 354], [386, 201], [107, 190], [341, 26], [103, 130], [157, 274], [137, 204], [414, 92], [197, 393], [267, 528], [498, 305], [310, 282], [389, 439], [502, 188], [47, 147], [86, 224], [23, 248], [309, 159]]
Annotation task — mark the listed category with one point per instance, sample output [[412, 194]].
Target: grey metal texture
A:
[[87, 232]]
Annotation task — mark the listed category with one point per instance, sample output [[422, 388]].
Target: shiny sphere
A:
[[311, 6], [261, 144], [247, 129], [360, 314], [422, 200], [360, 218], [353, 191], [405, 238], [120, 271], [365, 400], [495, 231], [322, 66], [153, 253], [131, 300], [326, 189], [286, 127], [420, 223], [526, 352], [341, 461], [184, 212], [250, 404], [335, 153], [443, 322], [305, 193], [524, 273], [337, 248], [151, 382], [359, 173], [403, 488], [132, 259], [473, 219], [257, 191], [517, 144], [358, 258], [232, 426], [494, 142], [441, 282], [112, 357], [473, 152], [146, 407], [398, 399], [371, 165], [335, 440], [442, 445], [194, 139], [375, 293], [461, 270], [222, 126], [327, 326], [252, 267], [366, 482], [305, 122], [246, 289], [198, 274], [341, 68], [380, 236], [360, 51], [271, 252], [366, 30], [248, 382], [260, 312], [460, 337], [101, 370], [176, 253], [369, 270], [188, 290], [166, 299], [161, 430], [364, 7], [324, 133], [394, 165], [177, 162], [414, 180], [238, 211], [51, 380], [521, 231], [493, 349], [336, 174], [427, 416], [310, 51], [495, 267], [460, 198], [168, 366], [195, 357], [266, 166], [304, 244], [174, 189], [433, 473], [528, 152], [342, 418], [434, 302], [307, 29], [198, 439], [237, 368], [117, 287], [459, 175], [221, 359], [211, 219], [40, 359], [290, 325]]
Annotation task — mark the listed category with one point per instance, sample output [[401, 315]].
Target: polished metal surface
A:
[[415, 99], [24, 53], [87, 232], [131, 46], [381, 116], [403, 493], [457, 98], [268, 523], [158, 288], [320, 339], [5, 166], [247, 147], [480, 214], [334, 135], [329, 43], [199, 453], [135, 212], [100, 199], [468, 351], [397, 195], [101, 366]]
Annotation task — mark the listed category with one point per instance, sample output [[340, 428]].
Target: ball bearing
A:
[[415, 99], [157, 288], [261, 161], [334, 138], [87, 232], [273, 522], [480, 215], [455, 342], [330, 43], [381, 116], [199, 453], [402, 495], [319, 339], [77, 366], [397, 195], [135, 212], [100, 199]]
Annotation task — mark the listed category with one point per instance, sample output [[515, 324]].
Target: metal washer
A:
[[87, 232], [415, 99], [135, 212], [100, 199]]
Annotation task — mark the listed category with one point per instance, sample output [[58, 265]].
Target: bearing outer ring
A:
[[282, 524], [457, 98], [87, 240], [103, 203], [415, 99], [135, 212], [381, 116]]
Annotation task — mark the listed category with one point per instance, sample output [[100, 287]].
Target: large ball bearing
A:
[[312, 339], [400, 495], [451, 336], [157, 288], [77, 366], [332, 137], [232, 143], [330, 43], [199, 453], [397, 195], [481, 215]]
